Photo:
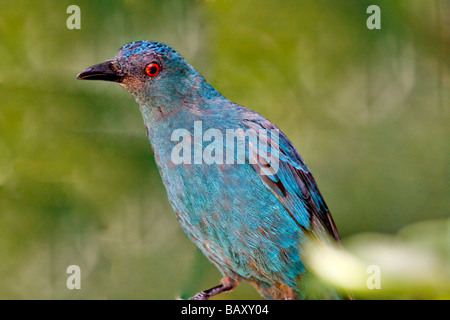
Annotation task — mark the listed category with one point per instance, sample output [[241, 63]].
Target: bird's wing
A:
[[283, 171]]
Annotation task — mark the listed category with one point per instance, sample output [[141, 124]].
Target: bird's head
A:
[[154, 73]]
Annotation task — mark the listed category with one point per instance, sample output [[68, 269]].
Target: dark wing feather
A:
[[290, 180]]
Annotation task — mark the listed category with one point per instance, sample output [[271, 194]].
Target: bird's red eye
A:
[[152, 69]]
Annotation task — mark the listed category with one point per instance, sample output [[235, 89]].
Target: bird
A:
[[238, 187]]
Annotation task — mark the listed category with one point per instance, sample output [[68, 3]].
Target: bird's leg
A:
[[227, 284], [206, 294]]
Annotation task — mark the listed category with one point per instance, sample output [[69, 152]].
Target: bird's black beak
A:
[[102, 71]]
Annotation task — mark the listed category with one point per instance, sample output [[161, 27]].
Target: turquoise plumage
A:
[[249, 212]]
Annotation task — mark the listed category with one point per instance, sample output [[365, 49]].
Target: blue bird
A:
[[238, 187]]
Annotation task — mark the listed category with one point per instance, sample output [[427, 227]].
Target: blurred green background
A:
[[367, 109]]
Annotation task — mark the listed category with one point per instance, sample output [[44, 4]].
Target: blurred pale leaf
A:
[[414, 264]]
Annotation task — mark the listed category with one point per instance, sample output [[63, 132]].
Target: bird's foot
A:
[[226, 285], [206, 294], [200, 296]]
